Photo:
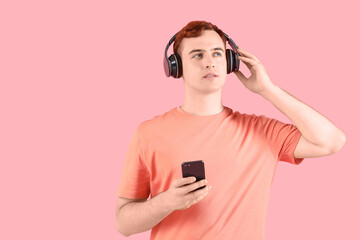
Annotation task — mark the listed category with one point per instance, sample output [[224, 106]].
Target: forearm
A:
[[136, 217], [312, 125]]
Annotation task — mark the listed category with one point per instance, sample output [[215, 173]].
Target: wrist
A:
[[269, 91], [161, 201]]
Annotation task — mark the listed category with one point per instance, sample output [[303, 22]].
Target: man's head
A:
[[202, 49]]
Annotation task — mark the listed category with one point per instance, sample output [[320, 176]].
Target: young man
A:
[[240, 151]]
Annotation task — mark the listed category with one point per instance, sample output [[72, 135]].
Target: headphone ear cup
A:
[[166, 64], [175, 65], [236, 61], [172, 65], [229, 62], [233, 61], [179, 66]]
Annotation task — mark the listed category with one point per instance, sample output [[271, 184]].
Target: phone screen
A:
[[194, 169]]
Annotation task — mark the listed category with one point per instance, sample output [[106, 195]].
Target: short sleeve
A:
[[135, 177], [282, 139]]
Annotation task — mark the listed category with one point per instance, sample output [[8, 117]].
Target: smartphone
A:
[[194, 169]]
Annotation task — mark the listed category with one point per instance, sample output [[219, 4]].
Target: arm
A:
[[319, 136], [318, 133], [136, 217]]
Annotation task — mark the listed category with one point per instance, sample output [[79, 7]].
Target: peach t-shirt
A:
[[240, 154]]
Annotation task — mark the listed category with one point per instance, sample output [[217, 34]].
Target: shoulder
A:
[[249, 119], [155, 123]]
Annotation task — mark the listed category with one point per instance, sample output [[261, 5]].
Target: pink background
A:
[[77, 78]]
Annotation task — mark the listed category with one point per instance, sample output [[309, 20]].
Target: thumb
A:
[[240, 75]]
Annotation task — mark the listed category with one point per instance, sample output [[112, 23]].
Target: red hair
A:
[[195, 29]]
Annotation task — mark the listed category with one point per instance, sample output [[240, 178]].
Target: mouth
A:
[[210, 75]]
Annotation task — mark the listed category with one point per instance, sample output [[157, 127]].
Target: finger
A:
[[240, 75], [196, 185], [202, 193], [251, 64], [247, 54], [248, 61], [184, 181]]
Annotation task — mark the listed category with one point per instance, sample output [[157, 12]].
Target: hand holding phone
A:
[[182, 193]]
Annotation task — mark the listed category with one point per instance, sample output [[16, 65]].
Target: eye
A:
[[200, 54]]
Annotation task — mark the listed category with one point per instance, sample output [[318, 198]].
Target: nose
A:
[[210, 63]]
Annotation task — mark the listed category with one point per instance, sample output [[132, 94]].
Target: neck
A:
[[202, 104]]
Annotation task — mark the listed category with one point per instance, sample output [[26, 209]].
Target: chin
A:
[[219, 81]]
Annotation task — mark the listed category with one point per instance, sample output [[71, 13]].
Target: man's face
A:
[[198, 63]]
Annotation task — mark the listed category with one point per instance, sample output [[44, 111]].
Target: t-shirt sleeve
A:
[[135, 177], [282, 139]]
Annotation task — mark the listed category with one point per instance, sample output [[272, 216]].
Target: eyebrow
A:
[[202, 50]]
